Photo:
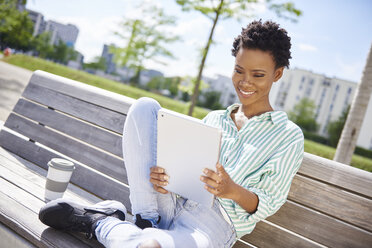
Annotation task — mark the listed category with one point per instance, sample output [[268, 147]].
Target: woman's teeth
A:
[[246, 92]]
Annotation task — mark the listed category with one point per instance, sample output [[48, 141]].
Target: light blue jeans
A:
[[184, 223]]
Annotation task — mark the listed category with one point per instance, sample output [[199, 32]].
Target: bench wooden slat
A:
[[73, 106], [93, 135], [27, 223], [341, 175], [34, 184], [331, 200], [28, 190], [81, 152], [88, 93], [94, 182], [241, 244], [317, 226], [270, 236]]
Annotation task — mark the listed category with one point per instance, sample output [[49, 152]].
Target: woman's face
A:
[[253, 76]]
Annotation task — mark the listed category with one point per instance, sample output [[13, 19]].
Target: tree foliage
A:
[[226, 9], [15, 27], [145, 38], [63, 53], [42, 45], [335, 128], [211, 100], [303, 114]]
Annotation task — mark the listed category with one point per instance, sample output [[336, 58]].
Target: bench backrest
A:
[[330, 204]]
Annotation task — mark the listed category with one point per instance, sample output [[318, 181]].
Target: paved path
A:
[[13, 80]]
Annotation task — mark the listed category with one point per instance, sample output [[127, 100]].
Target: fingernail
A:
[[205, 171], [202, 178], [166, 177]]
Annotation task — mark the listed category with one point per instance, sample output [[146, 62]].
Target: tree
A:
[[15, 26], [303, 114], [335, 128], [41, 44], [211, 100], [350, 133], [187, 85], [225, 9], [63, 53], [146, 39]]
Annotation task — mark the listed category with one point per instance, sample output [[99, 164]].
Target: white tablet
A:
[[185, 146]]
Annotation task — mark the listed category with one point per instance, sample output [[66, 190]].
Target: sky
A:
[[332, 37]]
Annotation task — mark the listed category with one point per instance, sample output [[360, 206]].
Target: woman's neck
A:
[[249, 112]]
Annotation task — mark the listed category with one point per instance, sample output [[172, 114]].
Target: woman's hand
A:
[[158, 178], [219, 183]]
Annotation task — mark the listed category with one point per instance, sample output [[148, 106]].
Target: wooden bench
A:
[[329, 205]]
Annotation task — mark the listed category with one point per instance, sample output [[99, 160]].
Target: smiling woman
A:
[[260, 152]]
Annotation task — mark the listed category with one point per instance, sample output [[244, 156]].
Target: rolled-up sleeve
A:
[[272, 188]]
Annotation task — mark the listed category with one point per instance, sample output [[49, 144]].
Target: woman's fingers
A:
[[158, 182], [157, 169], [158, 178], [160, 189], [212, 174], [209, 181], [161, 177]]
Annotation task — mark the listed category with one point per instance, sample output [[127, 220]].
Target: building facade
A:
[[223, 85], [331, 96], [67, 33], [109, 59]]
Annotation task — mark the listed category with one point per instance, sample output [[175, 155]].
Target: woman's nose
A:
[[245, 81]]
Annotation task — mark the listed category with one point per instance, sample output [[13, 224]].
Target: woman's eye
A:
[[259, 75], [237, 71]]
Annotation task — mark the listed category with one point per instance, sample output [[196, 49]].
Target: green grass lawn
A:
[[32, 64], [328, 152]]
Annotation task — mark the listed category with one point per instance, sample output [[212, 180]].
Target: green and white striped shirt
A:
[[263, 156]]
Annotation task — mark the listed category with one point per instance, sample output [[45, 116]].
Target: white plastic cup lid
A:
[[61, 164]]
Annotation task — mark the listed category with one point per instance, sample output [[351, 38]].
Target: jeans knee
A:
[[146, 104], [151, 243]]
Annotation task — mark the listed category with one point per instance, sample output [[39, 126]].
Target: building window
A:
[[320, 102]]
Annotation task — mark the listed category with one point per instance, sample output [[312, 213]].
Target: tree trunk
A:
[[135, 80], [350, 132], [205, 52]]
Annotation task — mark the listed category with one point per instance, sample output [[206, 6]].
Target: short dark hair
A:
[[267, 36]]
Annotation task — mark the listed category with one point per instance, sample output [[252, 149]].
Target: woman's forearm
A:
[[246, 199]]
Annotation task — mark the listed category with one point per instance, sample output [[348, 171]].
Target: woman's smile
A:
[[246, 93]]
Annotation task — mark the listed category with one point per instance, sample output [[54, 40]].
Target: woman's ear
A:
[[278, 73]]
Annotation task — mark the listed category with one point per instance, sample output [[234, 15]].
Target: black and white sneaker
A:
[[146, 223], [67, 215]]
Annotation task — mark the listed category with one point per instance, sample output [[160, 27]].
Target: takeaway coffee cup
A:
[[59, 174]]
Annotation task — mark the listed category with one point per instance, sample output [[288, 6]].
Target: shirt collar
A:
[[276, 117]]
